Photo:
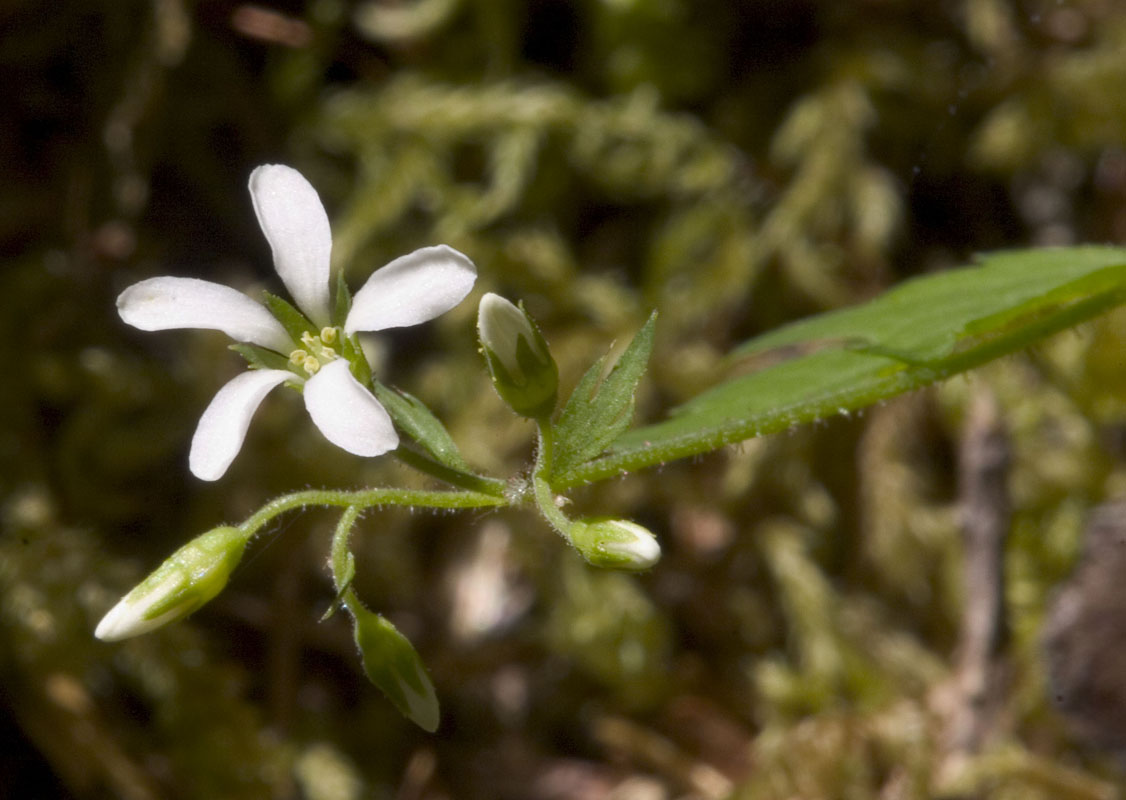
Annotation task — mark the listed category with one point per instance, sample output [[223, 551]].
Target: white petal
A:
[[295, 223], [411, 289], [347, 414], [127, 618], [500, 327], [223, 426], [160, 304]]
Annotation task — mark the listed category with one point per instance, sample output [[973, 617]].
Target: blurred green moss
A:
[[732, 164]]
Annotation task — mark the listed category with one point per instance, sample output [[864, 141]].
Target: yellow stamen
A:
[[316, 351]]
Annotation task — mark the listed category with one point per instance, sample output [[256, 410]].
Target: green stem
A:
[[541, 485], [366, 498], [454, 477], [342, 564]]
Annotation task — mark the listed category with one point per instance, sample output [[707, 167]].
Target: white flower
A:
[[410, 290]]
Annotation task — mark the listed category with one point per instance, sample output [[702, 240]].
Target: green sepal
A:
[[520, 364], [260, 357], [534, 393], [294, 322], [205, 563], [391, 663], [343, 302], [417, 421], [614, 543], [600, 410], [357, 361]]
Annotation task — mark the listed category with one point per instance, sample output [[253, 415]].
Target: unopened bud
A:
[[391, 663], [185, 581], [523, 371], [615, 543]]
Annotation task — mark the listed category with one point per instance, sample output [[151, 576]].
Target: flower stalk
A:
[[389, 659]]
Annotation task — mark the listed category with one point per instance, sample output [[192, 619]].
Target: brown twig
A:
[[983, 467]]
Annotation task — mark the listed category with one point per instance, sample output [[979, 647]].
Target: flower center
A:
[[317, 350]]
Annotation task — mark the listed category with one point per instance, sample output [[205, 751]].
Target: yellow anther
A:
[[298, 356], [312, 365], [328, 335], [327, 353]]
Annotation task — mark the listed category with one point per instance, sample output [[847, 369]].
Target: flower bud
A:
[[185, 581], [615, 543], [523, 371], [391, 663]]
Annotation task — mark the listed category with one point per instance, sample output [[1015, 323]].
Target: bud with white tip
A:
[[523, 371], [615, 543], [185, 581]]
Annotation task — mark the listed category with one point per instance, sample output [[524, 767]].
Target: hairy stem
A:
[[454, 477], [366, 498], [541, 485]]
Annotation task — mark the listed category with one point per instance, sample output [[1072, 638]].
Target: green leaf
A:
[[294, 322], [921, 332], [598, 413], [260, 357], [391, 663], [418, 422]]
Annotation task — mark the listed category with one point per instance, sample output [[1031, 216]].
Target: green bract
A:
[[601, 409]]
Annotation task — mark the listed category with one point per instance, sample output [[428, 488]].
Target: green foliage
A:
[[921, 332], [600, 408], [418, 422]]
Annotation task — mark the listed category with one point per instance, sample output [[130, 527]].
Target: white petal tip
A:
[[424, 710], [223, 426], [294, 221], [412, 289], [347, 414], [116, 625]]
